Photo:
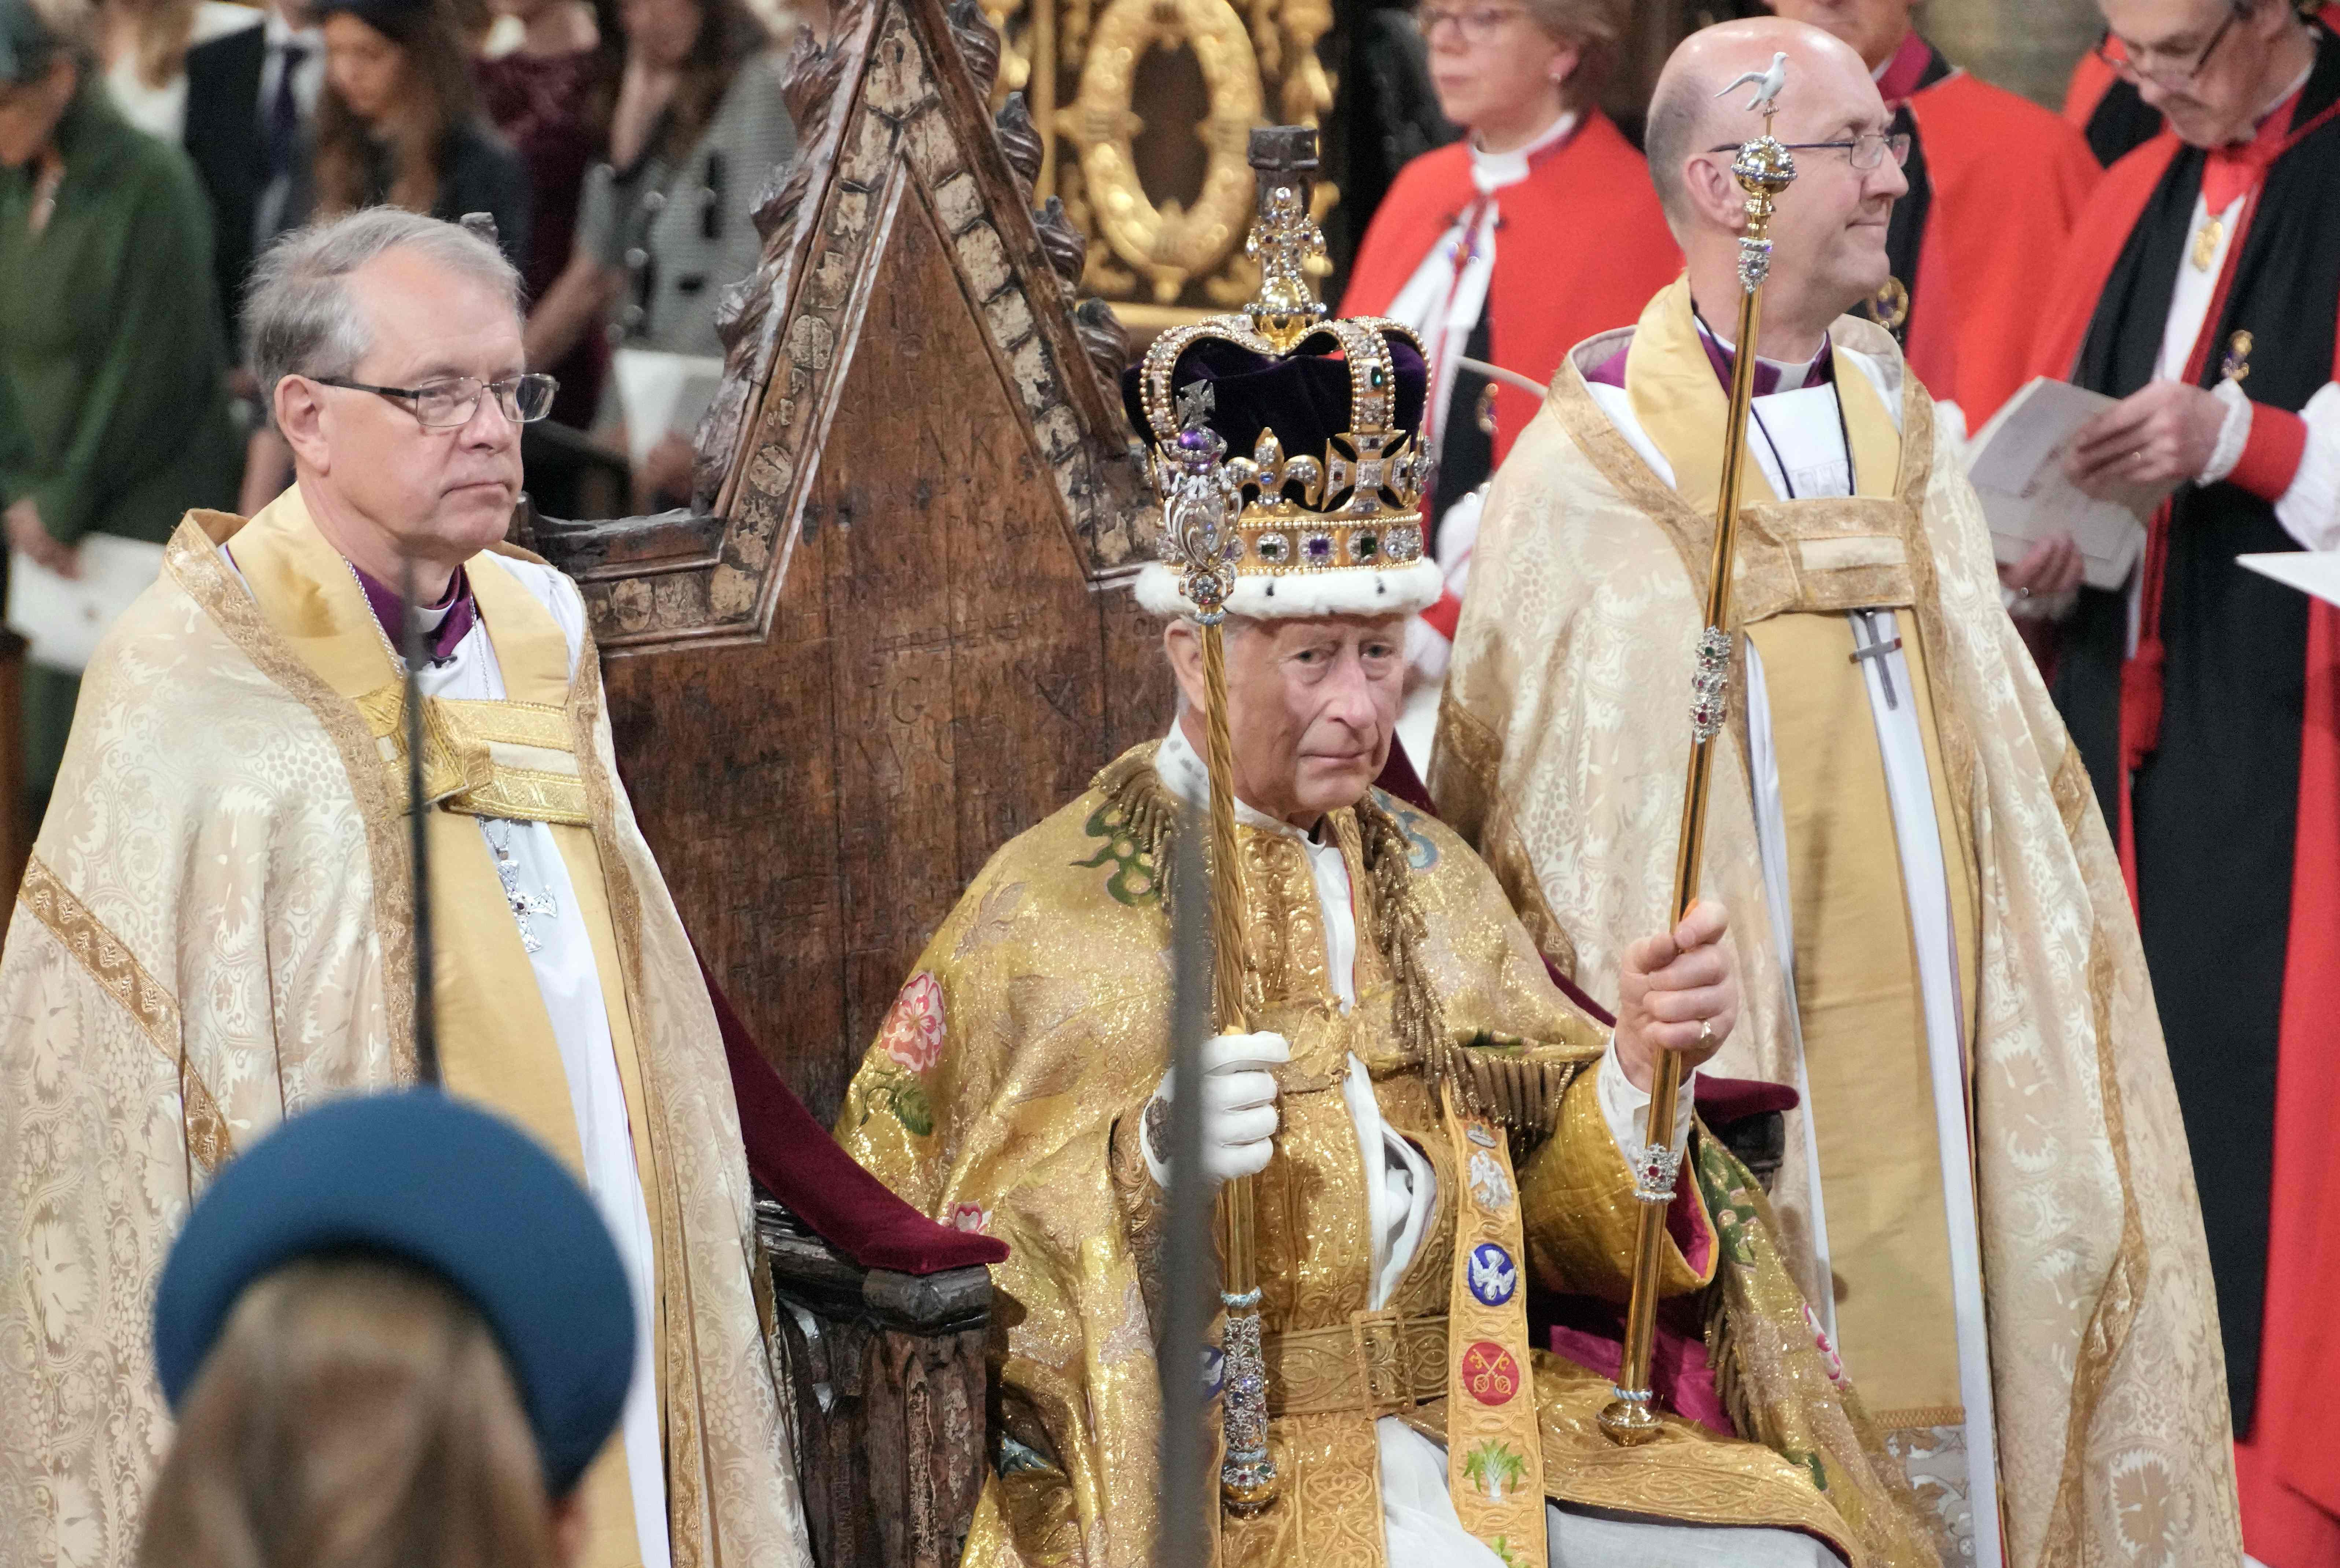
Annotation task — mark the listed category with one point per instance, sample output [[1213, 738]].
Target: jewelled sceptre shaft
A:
[[1763, 168], [1202, 498]]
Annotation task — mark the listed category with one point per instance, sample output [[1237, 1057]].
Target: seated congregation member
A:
[[395, 1331], [1934, 938], [1532, 232], [1017, 1085], [216, 929]]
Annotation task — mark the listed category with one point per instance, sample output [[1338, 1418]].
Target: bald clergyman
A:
[[1989, 1182]]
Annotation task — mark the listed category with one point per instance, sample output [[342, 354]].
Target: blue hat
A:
[[441, 1183]]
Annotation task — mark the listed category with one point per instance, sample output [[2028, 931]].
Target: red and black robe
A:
[[1579, 247], [1996, 182], [2228, 806]]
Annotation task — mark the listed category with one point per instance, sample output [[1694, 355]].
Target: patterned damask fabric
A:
[[197, 952], [1570, 681]]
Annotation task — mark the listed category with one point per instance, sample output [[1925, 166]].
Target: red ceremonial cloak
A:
[[1996, 182], [2224, 645], [2008, 181], [1579, 247]]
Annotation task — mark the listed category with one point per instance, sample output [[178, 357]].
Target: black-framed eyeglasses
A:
[[1866, 151], [2134, 63], [1478, 25], [450, 404]]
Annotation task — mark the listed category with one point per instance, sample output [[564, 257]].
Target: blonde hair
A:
[[356, 1413]]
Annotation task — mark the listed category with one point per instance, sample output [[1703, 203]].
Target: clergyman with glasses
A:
[[1987, 1182], [2201, 291], [216, 929]]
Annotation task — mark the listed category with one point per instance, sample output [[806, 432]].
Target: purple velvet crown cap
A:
[[1303, 397]]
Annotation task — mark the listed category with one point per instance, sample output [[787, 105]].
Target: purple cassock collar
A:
[[461, 611], [1610, 371]]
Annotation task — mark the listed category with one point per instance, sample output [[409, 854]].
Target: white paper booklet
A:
[[2017, 467], [662, 394], [2316, 572], [63, 618]]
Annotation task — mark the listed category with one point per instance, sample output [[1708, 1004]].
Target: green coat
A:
[[113, 408]]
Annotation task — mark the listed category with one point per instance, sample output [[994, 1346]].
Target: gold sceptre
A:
[[1201, 500], [1763, 168]]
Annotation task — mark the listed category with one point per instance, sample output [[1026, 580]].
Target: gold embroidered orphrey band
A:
[[110, 963], [1379, 1362]]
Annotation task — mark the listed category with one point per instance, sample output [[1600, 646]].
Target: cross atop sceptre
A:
[[1194, 405]]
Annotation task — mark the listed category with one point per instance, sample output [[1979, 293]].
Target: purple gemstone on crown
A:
[[1193, 441], [1318, 548]]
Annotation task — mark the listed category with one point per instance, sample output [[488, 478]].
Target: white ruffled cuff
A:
[[1626, 1109], [2234, 433]]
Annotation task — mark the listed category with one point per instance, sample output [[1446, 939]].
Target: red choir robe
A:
[[1579, 247], [1996, 183], [2217, 750]]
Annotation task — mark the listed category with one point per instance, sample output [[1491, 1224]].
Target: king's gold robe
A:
[[216, 931], [1006, 1090], [1560, 755]]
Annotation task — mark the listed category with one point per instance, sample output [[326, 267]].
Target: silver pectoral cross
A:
[[1868, 644], [523, 905]]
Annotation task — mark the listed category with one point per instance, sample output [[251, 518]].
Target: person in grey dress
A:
[[665, 227]]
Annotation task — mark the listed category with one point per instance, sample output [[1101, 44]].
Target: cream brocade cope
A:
[[216, 931], [1005, 1092], [1560, 755]]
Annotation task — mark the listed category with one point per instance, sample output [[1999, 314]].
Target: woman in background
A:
[[399, 122], [1537, 230], [667, 226]]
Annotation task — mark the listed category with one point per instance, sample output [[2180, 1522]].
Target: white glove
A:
[[1239, 1117]]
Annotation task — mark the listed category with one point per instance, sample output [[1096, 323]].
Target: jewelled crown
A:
[[1318, 511]]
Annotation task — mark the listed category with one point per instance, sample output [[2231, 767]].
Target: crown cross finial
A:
[[1283, 236]]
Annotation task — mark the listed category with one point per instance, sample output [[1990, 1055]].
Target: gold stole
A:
[[1494, 1443], [1803, 564], [517, 759]]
